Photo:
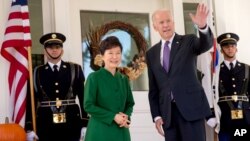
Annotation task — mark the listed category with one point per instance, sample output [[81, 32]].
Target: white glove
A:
[[83, 132], [212, 122], [31, 135]]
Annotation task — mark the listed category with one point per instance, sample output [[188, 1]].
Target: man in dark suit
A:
[[177, 100], [57, 83], [234, 91]]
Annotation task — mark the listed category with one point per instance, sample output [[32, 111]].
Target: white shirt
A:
[[58, 64], [228, 63]]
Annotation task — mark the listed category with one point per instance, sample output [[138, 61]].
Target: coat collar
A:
[[238, 67], [62, 65]]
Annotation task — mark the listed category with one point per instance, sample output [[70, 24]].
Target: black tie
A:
[[55, 68], [231, 65]]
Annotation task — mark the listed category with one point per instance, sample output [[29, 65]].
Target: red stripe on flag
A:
[[14, 50], [21, 111], [17, 29], [16, 15]]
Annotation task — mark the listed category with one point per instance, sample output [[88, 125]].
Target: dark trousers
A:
[[182, 130], [47, 130]]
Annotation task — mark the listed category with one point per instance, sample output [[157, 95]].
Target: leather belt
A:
[[53, 103], [234, 98]]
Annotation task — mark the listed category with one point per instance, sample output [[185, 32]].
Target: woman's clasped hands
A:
[[122, 120]]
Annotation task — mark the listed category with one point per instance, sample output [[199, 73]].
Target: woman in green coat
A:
[[108, 97]]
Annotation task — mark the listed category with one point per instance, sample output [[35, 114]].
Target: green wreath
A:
[[134, 69]]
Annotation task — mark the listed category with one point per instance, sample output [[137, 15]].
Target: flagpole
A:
[[31, 90]]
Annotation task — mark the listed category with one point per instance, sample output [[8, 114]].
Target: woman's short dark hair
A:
[[108, 43]]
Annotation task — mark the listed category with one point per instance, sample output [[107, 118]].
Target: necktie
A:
[[166, 56], [231, 65], [55, 68]]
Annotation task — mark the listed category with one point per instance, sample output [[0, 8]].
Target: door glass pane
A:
[[189, 26], [36, 27]]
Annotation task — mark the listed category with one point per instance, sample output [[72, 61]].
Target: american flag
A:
[[14, 49]]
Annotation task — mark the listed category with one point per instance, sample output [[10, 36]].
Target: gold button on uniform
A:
[[56, 83], [57, 91]]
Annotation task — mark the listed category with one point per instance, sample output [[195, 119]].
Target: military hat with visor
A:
[[52, 39], [228, 39]]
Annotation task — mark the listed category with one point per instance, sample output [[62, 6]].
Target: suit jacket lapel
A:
[[174, 49], [157, 54]]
